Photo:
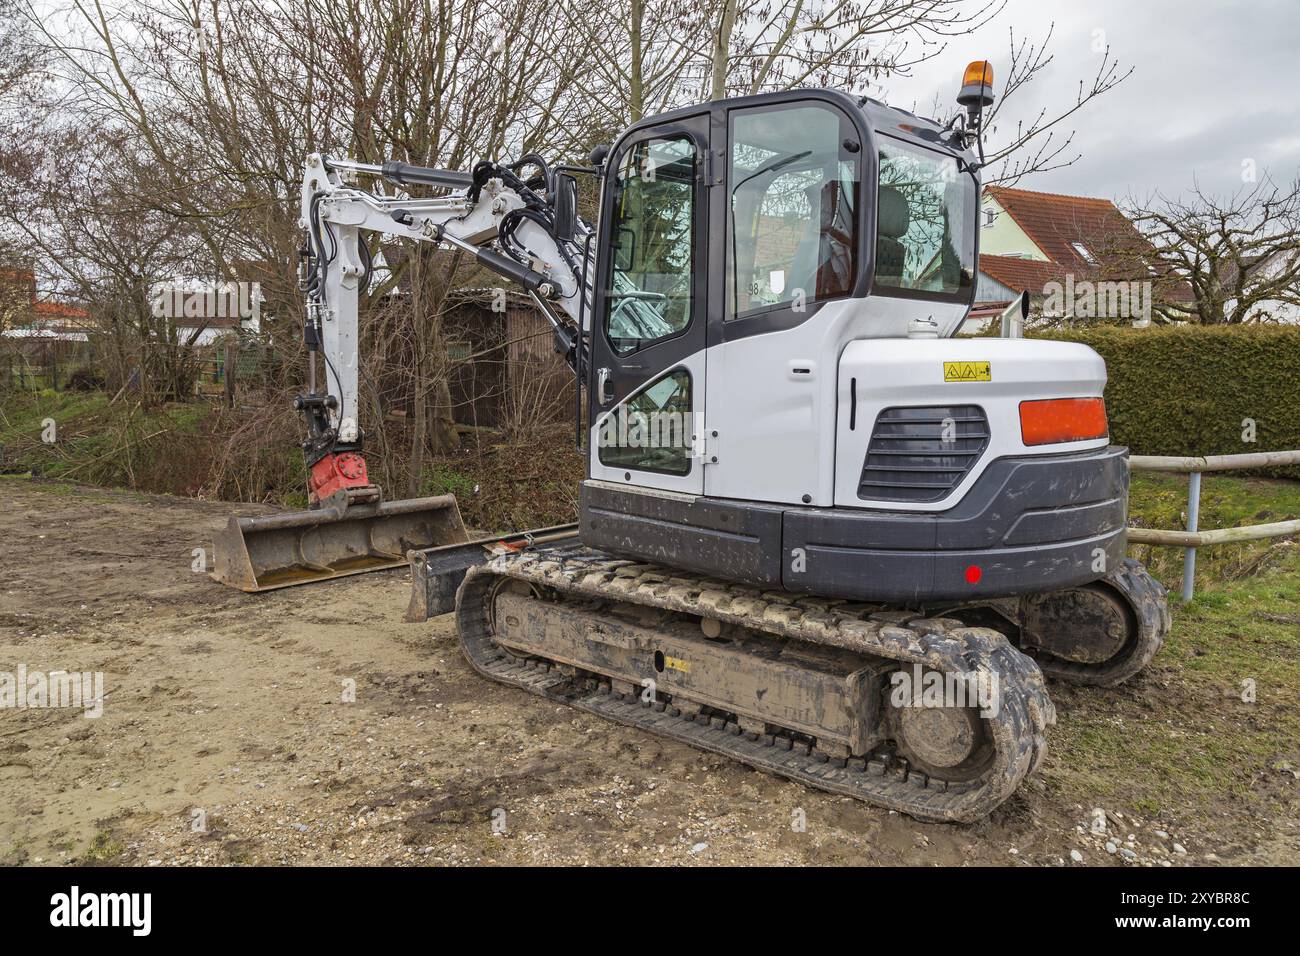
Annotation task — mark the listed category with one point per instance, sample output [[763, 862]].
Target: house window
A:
[[1083, 252]]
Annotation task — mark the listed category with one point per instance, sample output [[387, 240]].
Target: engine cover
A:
[[945, 409]]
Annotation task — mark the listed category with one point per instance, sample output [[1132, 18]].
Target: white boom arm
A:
[[335, 213]]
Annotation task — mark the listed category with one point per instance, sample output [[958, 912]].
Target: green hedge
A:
[[1187, 390]]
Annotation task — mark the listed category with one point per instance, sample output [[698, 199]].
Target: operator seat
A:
[[893, 216], [823, 263]]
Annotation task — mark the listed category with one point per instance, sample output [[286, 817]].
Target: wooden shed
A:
[[505, 372]]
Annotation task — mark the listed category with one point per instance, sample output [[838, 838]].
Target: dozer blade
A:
[[301, 547]]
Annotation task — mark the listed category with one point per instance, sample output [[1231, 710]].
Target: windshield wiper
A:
[[772, 166]]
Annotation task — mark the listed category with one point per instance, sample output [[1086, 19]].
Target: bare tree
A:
[[656, 57], [662, 56], [1240, 254], [80, 214], [225, 99], [1042, 142], [648, 58], [20, 82], [19, 57], [760, 45]]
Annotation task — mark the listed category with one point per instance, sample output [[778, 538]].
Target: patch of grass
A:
[[295, 500], [1214, 721], [238, 852], [443, 479], [95, 441], [16, 855], [103, 847], [1160, 501], [504, 486]]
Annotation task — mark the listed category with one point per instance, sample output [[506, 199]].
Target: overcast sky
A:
[[1214, 83]]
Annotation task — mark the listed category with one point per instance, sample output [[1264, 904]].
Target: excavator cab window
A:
[[653, 431], [794, 187], [653, 240], [925, 232]]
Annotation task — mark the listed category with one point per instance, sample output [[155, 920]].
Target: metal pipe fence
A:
[[1193, 538]]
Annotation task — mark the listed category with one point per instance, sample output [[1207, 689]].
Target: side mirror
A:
[[1014, 317], [566, 207]]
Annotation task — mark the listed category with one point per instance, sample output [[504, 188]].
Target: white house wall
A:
[[1005, 237]]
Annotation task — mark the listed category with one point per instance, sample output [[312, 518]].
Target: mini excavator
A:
[[819, 533]]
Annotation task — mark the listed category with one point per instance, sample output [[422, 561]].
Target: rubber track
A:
[[1148, 600], [1017, 731]]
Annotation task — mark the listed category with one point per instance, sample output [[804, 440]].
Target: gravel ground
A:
[[226, 737]]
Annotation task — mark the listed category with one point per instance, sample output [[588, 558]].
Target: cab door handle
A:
[[602, 387]]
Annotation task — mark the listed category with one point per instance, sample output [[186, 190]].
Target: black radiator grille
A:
[[921, 454]]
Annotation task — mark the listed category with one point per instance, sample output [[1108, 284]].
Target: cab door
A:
[[646, 385]]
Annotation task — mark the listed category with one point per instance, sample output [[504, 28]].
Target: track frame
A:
[[1017, 730]]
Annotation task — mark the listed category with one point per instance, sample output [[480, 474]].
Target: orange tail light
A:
[[1054, 420]]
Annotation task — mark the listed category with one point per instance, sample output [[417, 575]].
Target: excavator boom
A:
[[350, 528]]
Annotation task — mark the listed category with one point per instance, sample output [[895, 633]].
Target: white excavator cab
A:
[[775, 389]]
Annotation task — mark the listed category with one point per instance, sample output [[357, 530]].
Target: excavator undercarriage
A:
[[800, 687], [935, 714]]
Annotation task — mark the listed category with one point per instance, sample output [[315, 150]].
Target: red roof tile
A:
[[1020, 274], [59, 310], [1055, 223]]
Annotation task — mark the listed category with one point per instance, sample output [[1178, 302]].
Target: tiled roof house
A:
[[1031, 239]]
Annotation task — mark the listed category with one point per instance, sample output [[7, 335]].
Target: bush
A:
[[86, 378], [1195, 390]]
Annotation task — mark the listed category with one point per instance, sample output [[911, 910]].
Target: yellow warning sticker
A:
[[967, 372], [677, 664]]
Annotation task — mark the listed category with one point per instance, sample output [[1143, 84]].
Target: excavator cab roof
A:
[[872, 114]]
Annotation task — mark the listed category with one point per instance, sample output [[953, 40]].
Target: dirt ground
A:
[[225, 737]]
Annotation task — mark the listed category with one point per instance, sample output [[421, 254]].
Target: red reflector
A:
[[1055, 420]]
